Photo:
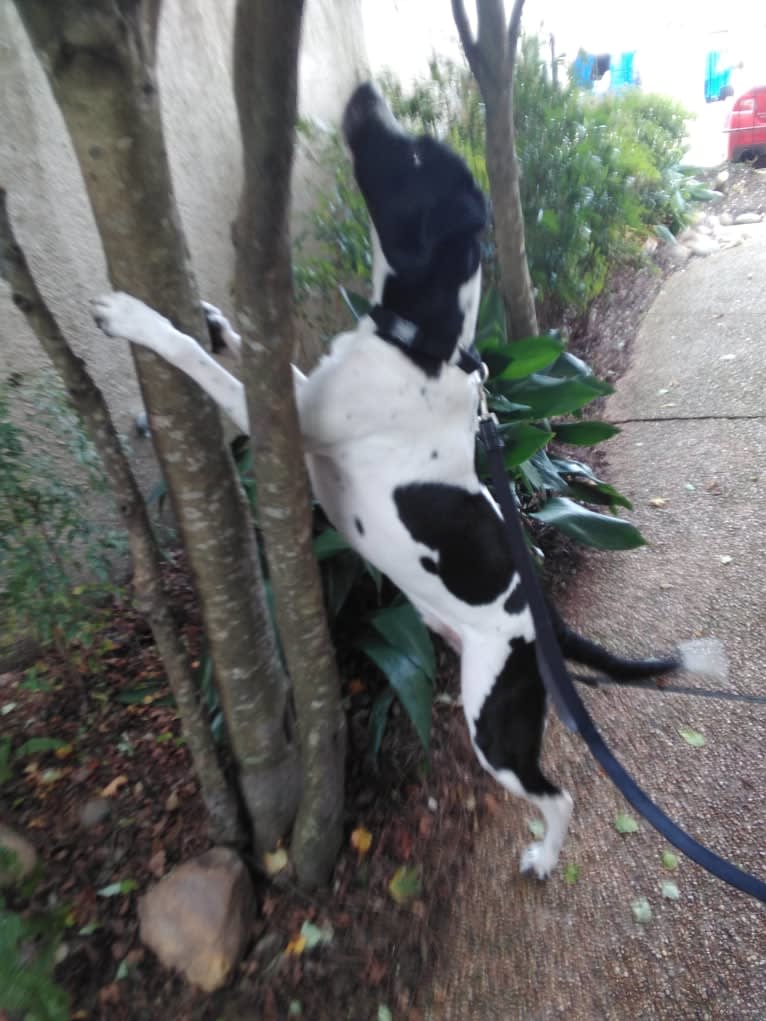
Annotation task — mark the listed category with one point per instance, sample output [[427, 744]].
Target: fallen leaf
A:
[[64, 752], [726, 559], [384, 1013], [275, 861], [536, 827], [113, 787], [658, 501], [641, 909], [315, 936], [115, 889], [571, 873], [406, 884], [692, 737], [356, 687], [669, 890], [296, 946], [625, 823], [669, 860], [690, 488], [361, 841]]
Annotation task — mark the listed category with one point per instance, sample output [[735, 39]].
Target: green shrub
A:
[[55, 559]]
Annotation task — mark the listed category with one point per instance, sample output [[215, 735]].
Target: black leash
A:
[[564, 696]]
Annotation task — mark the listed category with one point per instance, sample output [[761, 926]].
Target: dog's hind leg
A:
[[506, 714], [120, 315]]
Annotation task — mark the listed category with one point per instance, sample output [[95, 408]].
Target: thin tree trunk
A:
[[265, 75], [492, 58], [150, 596], [101, 66]]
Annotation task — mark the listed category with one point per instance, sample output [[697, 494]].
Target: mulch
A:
[[120, 743]]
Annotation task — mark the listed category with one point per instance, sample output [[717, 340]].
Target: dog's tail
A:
[[699, 656]]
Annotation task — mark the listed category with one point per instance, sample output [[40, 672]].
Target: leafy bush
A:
[[55, 561]]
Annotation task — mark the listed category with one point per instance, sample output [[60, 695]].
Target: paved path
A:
[[693, 404]]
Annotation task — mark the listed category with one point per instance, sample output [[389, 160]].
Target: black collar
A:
[[414, 342]]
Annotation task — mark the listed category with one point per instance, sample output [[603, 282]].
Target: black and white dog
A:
[[388, 421]]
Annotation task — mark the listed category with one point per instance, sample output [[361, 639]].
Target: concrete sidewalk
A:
[[693, 408]]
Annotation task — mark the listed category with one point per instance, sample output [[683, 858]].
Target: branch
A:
[[150, 595], [471, 50], [514, 28]]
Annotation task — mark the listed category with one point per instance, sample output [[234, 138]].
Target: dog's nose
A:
[[366, 104]]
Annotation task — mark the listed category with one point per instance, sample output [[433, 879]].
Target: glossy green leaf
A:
[[503, 406], [521, 441], [39, 745], [584, 434], [328, 543], [402, 627], [531, 355], [548, 396], [413, 688], [588, 527]]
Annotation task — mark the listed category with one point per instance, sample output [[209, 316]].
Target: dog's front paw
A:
[[537, 858], [121, 315], [222, 336]]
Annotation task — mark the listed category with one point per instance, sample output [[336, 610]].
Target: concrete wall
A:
[[49, 208]]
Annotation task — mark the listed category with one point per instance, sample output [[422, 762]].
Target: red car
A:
[[745, 125]]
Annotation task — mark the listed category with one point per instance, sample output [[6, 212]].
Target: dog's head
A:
[[427, 212]]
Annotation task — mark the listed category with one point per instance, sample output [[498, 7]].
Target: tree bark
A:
[[267, 37], [492, 58], [100, 61], [150, 597]]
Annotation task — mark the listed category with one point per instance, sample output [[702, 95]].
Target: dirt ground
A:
[[118, 740]]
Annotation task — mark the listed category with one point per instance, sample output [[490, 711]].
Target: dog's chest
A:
[[375, 423]]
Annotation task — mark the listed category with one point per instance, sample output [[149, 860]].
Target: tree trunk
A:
[[150, 597], [492, 57], [267, 38], [101, 65]]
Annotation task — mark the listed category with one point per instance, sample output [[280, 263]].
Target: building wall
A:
[[49, 206]]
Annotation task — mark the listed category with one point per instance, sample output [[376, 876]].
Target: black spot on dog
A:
[[463, 528], [359, 526], [509, 728], [516, 601], [429, 564]]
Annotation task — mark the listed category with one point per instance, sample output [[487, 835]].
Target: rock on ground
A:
[[197, 918]]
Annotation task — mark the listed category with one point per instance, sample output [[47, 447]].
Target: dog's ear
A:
[[412, 247]]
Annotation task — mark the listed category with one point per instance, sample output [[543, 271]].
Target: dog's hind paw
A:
[[537, 858], [122, 315]]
